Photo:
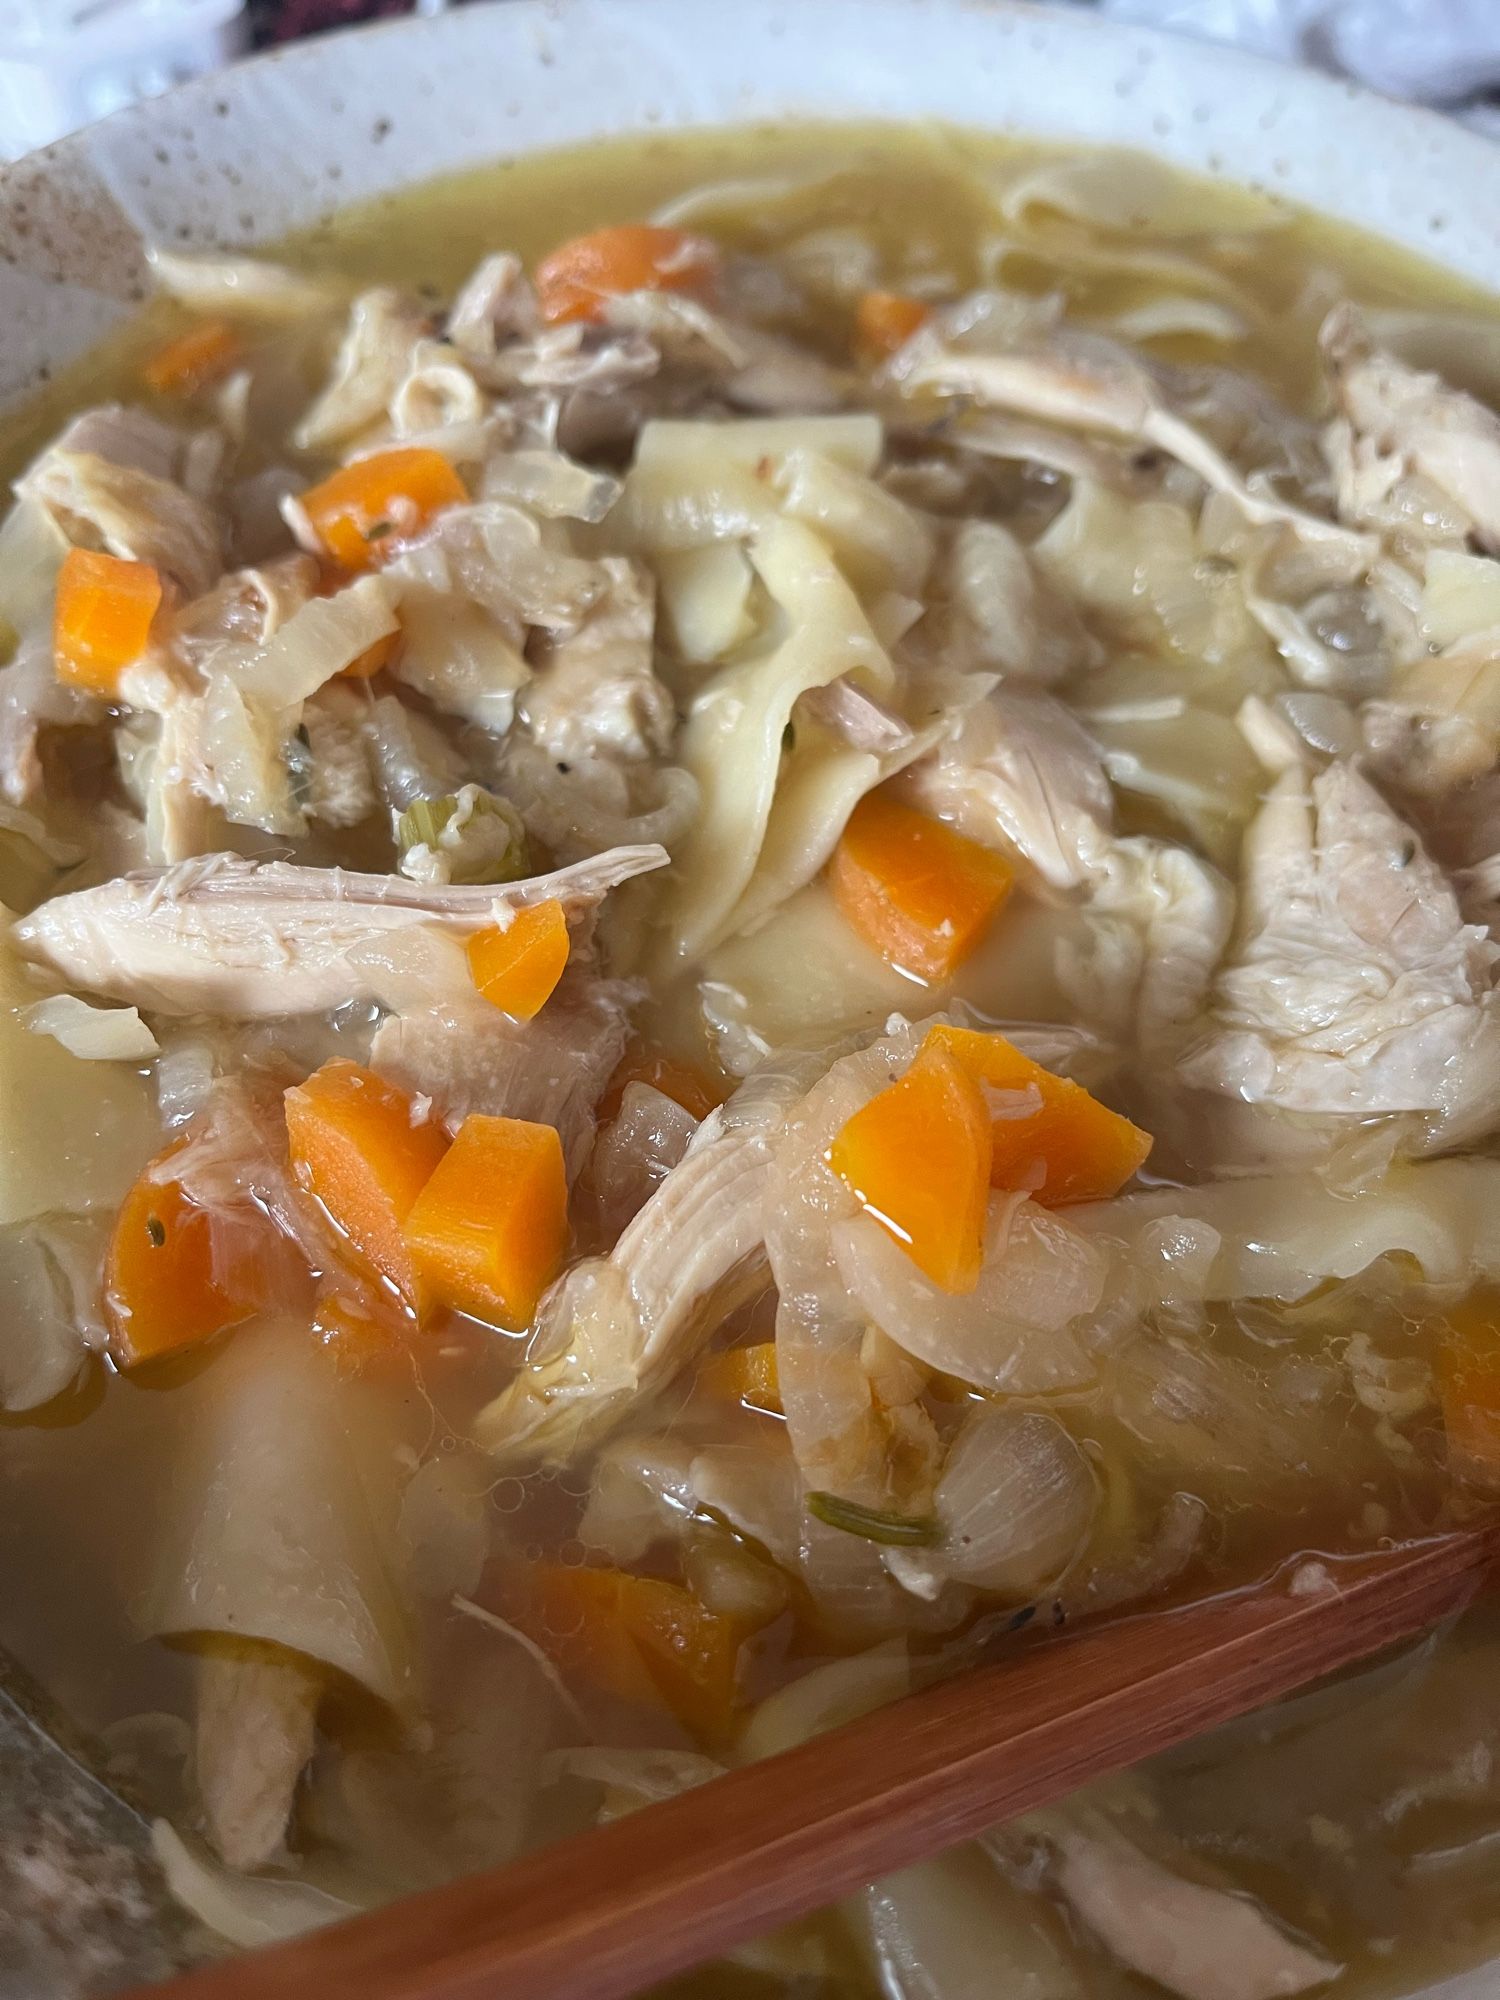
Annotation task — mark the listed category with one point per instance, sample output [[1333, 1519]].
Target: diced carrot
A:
[[162, 1291], [365, 505], [638, 1637], [516, 969], [194, 359], [102, 618], [373, 658], [918, 1158], [574, 281], [744, 1375], [685, 1085], [358, 1148], [884, 321], [1468, 1373], [916, 891], [1049, 1136], [489, 1231]]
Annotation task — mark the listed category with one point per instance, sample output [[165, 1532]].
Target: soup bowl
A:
[[276, 146]]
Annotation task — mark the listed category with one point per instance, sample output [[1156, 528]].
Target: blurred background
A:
[[64, 62]]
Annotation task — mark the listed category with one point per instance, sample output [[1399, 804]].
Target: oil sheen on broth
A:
[[963, 560]]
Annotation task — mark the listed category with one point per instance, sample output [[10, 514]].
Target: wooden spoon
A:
[[608, 1912]]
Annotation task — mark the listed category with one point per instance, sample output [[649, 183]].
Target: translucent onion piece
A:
[[1016, 1501], [42, 1347], [249, 1910], [1010, 1334], [94, 1034], [826, 1697], [955, 1929]]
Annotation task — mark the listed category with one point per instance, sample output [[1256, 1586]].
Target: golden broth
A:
[[75, 1477]]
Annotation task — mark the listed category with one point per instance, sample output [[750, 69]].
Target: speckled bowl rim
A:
[[275, 144], [272, 145]]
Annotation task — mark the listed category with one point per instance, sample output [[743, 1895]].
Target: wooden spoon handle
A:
[[607, 1912]]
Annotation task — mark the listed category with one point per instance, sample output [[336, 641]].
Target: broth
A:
[[1184, 688]]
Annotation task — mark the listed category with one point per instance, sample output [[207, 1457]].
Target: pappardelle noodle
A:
[[749, 953]]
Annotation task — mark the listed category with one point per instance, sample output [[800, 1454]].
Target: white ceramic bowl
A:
[[244, 157]]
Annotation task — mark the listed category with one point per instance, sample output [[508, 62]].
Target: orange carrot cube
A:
[[358, 510], [517, 969], [917, 1156], [638, 1637], [1048, 1135], [884, 321], [575, 280], [916, 891], [744, 1375], [189, 363], [684, 1084], [102, 618], [489, 1231], [359, 1149], [373, 658]]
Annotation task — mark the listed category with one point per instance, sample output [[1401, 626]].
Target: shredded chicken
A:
[[256, 1715], [1354, 984], [1398, 423], [384, 332], [1086, 383], [596, 692], [1200, 1942], [259, 939], [1020, 766], [616, 1329], [1020, 773], [119, 481], [467, 1056]]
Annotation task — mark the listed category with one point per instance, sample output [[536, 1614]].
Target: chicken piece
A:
[[595, 692], [242, 612], [130, 439], [341, 786], [1019, 765], [749, 367], [255, 940], [1399, 423], [254, 1732], [1158, 920], [138, 515], [496, 305], [1200, 1942], [383, 332], [1090, 384], [468, 1056], [989, 435], [615, 1330], [1020, 773], [1355, 986]]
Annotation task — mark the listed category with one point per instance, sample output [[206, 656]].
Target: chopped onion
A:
[[635, 1152], [97, 1034], [826, 1697], [1010, 1334], [1016, 1501], [249, 1910]]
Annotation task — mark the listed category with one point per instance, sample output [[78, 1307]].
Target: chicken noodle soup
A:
[[740, 950]]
